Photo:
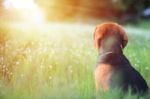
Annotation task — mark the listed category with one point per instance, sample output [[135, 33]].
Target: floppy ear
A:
[[124, 37], [97, 37], [125, 41]]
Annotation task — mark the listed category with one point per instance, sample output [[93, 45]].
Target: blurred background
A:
[[122, 11], [46, 46]]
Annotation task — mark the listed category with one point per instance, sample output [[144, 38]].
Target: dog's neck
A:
[[113, 46], [116, 50]]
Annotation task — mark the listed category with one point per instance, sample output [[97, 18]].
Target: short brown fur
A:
[[112, 62]]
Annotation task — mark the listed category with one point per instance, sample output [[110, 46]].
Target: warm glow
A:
[[27, 9], [20, 4]]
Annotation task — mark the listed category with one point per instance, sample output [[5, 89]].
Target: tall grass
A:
[[57, 61]]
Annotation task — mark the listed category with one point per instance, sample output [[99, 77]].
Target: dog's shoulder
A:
[[113, 59]]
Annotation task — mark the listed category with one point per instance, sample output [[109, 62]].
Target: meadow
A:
[[57, 60]]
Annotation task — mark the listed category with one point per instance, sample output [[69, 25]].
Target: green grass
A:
[[57, 61]]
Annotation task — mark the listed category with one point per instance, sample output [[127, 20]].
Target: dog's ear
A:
[[95, 37], [101, 30], [125, 41], [98, 33], [124, 36]]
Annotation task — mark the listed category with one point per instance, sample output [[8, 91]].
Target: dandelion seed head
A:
[[4, 66], [22, 75], [50, 66], [50, 77], [41, 66], [17, 63], [30, 58], [71, 71], [1, 59]]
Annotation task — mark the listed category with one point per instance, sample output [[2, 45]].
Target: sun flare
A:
[[28, 10]]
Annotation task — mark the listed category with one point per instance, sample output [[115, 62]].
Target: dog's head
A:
[[110, 29]]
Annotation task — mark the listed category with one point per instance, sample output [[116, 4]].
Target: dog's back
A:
[[123, 75]]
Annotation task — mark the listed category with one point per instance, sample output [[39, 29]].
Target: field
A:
[[57, 60]]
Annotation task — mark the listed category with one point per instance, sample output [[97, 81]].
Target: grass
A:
[[57, 61]]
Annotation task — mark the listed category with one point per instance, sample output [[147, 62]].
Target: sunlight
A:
[[27, 9], [20, 4]]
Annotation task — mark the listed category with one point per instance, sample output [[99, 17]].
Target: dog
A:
[[113, 69]]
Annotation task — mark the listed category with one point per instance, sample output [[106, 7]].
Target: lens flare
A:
[[28, 10]]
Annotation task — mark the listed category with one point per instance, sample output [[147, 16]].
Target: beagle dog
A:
[[113, 69]]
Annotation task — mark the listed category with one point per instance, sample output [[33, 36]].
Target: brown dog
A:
[[113, 68]]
